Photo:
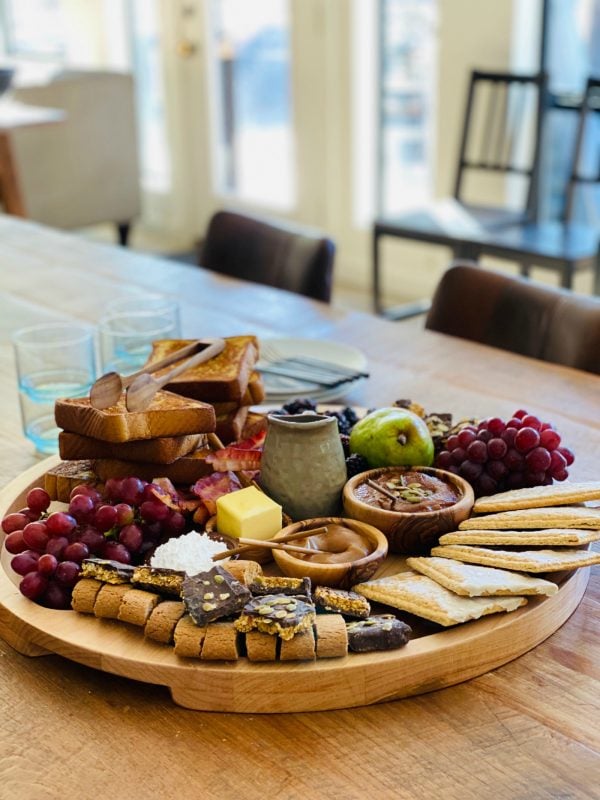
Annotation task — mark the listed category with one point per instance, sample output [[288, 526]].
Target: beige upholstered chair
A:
[[83, 171]]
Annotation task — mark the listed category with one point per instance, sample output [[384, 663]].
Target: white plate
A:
[[280, 389]]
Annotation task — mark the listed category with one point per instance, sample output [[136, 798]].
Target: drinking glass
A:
[[129, 327], [53, 360]]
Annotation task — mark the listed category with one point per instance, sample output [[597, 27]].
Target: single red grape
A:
[[452, 442], [38, 500], [92, 539], [112, 489], [568, 454], [520, 413], [470, 470], [14, 522], [25, 562], [116, 551], [125, 514], [76, 551], [67, 573], [560, 475], [485, 435], [558, 462], [174, 524], [81, 507], [538, 460], [477, 452], [15, 543], [514, 460], [33, 585], [465, 437], [105, 517], [496, 426], [526, 439], [60, 524], [497, 448], [47, 565], [529, 421], [132, 490], [89, 491], [35, 536], [56, 596], [549, 439], [444, 459], [154, 511], [458, 455], [514, 423], [56, 546], [132, 537]]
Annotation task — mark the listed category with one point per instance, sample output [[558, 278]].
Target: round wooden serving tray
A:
[[434, 659]]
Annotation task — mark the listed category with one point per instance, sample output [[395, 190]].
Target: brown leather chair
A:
[[276, 254], [519, 315]]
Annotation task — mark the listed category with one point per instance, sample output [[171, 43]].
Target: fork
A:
[[307, 368]]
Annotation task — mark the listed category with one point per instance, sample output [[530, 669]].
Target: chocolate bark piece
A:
[[277, 614], [264, 584], [159, 579], [383, 632], [350, 604], [213, 594], [102, 569]]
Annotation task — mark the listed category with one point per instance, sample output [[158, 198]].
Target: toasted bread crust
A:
[[223, 378], [186, 470], [163, 450], [167, 415]]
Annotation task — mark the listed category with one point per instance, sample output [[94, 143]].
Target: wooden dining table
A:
[[527, 730]]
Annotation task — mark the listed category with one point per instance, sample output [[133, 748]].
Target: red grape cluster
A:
[[121, 524], [495, 456]]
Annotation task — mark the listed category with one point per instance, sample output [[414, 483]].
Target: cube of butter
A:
[[248, 513]]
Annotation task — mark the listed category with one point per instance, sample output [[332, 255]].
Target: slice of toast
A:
[[223, 378], [163, 450], [230, 426], [167, 415], [253, 396], [185, 471]]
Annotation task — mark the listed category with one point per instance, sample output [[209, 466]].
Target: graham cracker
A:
[[425, 598], [526, 560], [551, 536], [471, 581], [551, 517], [539, 496]]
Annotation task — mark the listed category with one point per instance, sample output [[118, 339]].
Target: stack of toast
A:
[[229, 381], [167, 439]]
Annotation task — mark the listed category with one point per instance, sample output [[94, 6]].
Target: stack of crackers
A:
[[229, 381], [482, 567]]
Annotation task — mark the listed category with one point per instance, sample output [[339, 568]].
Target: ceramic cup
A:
[[303, 465], [54, 360]]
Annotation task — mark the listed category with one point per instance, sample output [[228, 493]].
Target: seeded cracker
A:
[[213, 594], [425, 598], [525, 560], [556, 537], [474, 581], [277, 614]]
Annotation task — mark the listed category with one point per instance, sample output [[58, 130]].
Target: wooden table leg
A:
[[10, 191]]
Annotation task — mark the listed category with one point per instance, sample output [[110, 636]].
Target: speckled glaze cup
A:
[[303, 465]]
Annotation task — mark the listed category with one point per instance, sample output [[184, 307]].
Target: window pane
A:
[[573, 44], [34, 28], [252, 64], [150, 95], [408, 50]]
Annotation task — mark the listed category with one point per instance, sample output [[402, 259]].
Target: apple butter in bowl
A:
[[413, 506], [347, 551]]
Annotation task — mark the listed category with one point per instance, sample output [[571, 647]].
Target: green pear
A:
[[392, 437]]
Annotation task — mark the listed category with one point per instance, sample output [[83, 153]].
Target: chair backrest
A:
[[518, 315], [276, 254], [503, 111], [578, 175], [85, 170]]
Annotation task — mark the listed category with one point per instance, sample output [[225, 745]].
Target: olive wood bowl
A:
[[260, 554], [343, 575], [410, 532]]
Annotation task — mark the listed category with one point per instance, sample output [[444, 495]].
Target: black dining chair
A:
[[519, 315], [501, 108], [564, 246], [274, 253]]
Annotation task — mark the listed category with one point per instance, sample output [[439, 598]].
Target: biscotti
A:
[[167, 415]]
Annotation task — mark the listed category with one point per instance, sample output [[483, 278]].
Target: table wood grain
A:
[[526, 730]]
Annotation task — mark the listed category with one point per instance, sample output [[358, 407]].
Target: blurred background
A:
[[326, 112]]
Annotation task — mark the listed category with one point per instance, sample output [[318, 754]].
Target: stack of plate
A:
[[281, 389]]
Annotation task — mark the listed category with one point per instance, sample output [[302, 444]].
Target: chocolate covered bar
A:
[[277, 614], [263, 584], [350, 604], [159, 579], [102, 569], [383, 632], [214, 594]]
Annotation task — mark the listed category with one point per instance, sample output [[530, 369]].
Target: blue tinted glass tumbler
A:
[[54, 360]]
